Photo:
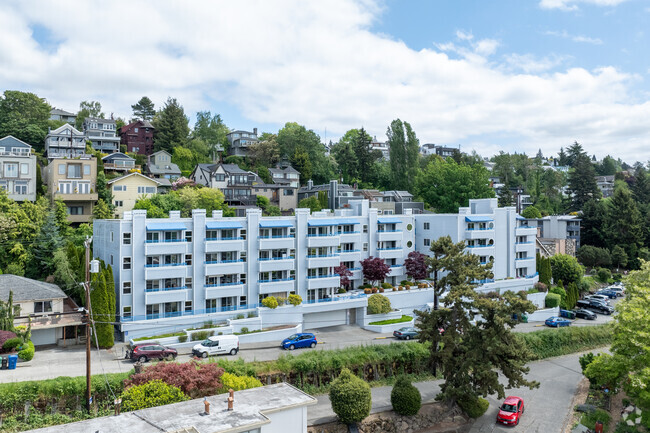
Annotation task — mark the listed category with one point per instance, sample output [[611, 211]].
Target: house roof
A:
[[117, 155], [65, 127], [117, 179], [99, 120], [25, 289], [60, 112], [11, 142], [233, 168], [169, 168], [161, 151], [144, 123]]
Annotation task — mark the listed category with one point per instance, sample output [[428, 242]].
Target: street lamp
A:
[[94, 268]]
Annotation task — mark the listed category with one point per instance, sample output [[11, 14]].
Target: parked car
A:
[[583, 313], [511, 410], [600, 306], [295, 341], [603, 298], [556, 322], [611, 294], [217, 345], [143, 352], [620, 291], [405, 333]]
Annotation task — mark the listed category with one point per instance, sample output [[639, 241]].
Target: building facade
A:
[[179, 271], [240, 141], [65, 142], [160, 166], [17, 169], [74, 182], [137, 137], [102, 134], [119, 162], [130, 188], [558, 234], [62, 115]]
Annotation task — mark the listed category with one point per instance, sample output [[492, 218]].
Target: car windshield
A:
[[509, 408], [206, 342], [292, 337]]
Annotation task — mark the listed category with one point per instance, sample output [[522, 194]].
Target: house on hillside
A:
[[62, 115], [240, 141], [380, 146], [137, 137], [128, 189], [17, 169], [119, 162], [102, 134], [160, 165], [606, 185], [74, 182], [54, 317], [65, 142]]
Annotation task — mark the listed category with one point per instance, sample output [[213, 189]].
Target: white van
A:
[[217, 345]]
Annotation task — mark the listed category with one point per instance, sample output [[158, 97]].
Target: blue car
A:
[[611, 294], [557, 321], [295, 341]]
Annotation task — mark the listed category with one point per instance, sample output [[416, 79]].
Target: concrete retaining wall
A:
[[383, 329], [275, 336]]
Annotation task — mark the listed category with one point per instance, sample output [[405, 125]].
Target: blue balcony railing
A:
[[197, 312], [216, 262], [322, 276], [318, 256], [265, 259], [158, 265], [234, 283], [278, 237], [524, 243], [350, 233], [389, 249], [479, 246], [276, 280], [389, 231], [480, 228], [156, 241], [238, 238], [349, 251], [165, 289], [322, 235]]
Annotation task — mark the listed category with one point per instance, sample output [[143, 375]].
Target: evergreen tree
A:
[[100, 303], [505, 197], [562, 158], [619, 257], [641, 186], [171, 125], [574, 152], [301, 162], [592, 227], [623, 223], [582, 182], [101, 211], [143, 109], [545, 272], [364, 154], [404, 150], [45, 245]]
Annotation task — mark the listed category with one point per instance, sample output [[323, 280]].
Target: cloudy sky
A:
[[513, 75]]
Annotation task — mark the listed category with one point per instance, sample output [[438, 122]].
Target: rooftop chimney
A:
[[255, 131], [206, 403]]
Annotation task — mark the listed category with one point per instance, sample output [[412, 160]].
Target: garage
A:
[[324, 319]]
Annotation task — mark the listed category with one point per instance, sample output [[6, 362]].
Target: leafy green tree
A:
[[355, 156], [310, 202], [350, 397], [262, 202], [301, 162], [264, 152], [153, 211], [211, 129], [404, 148], [102, 211], [566, 269], [184, 200], [619, 256], [88, 109], [7, 313], [102, 306], [184, 158], [25, 116], [143, 109], [607, 167], [582, 182], [593, 256], [171, 125], [445, 186], [545, 272], [531, 212], [273, 211], [104, 190], [505, 197], [306, 152]]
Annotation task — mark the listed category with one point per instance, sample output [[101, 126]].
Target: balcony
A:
[[479, 234], [277, 264], [225, 290], [277, 285], [171, 294], [396, 270], [121, 167], [222, 267], [525, 231], [324, 281], [213, 245], [165, 271], [390, 253], [330, 240], [277, 242], [323, 261], [525, 262], [350, 255], [176, 246], [349, 235], [76, 196], [389, 235], [524, 246]]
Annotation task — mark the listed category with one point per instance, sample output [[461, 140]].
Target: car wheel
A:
[[408, 337], [517, 422], [204, 355], [312, 345], [142, 359], [292, 347], [170, 357], [233, 352]]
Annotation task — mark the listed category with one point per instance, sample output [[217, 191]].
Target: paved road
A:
[[548, 407]]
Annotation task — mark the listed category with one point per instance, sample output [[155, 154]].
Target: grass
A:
[[589, 419], [392, 321], [563, 341], [175, 334]]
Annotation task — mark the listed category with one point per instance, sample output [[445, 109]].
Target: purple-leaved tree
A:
[[374, 269], [343, 272], [416, 266]]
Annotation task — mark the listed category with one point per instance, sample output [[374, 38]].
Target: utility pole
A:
[[87, 284]]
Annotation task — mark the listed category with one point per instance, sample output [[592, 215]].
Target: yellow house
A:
[[128, 189]]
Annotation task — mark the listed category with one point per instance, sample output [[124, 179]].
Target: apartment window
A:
[[126, 238], [188, 236], [126, 312], [61, 168], [242, 256], [188, 259], [111, 259], [188, 282], [242, 278], [112, 233], [427, 242], [74, 171], [242, 300], [86, 169], [126, 288], [20, 187], [43, 307], [146, 190], [11, 169], [365, 246], [365, 228], [75, 210], [152, 236], [188, 306], [24, 169], [426, 226], [119, 203], [126, 264], [242, 234]]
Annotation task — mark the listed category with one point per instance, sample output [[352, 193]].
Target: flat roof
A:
[[248, 413]]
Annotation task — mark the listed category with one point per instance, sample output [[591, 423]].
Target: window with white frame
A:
[[126, 311], [24, 169], [126, 288], [188, 282], [426, 226], [427, 242], [126, 238], [43, 307], [20, 187], [119, 203], [10, 169], [126, 263]]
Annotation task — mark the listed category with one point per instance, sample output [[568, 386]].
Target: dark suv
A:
[[143, 352], [600, 306]]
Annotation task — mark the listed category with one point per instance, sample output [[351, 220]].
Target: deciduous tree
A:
[[404, 150], [374, 269], [416, 266], [25, 116], [88, 109]]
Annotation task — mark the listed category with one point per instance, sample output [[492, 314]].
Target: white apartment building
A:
[[179, 272]]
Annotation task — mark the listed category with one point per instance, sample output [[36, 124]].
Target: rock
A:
[[637, 421], [588, 408], [624, 417], [629, 422], [638, 411], [629, 409]]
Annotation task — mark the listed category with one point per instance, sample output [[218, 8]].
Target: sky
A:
[[490, 76]]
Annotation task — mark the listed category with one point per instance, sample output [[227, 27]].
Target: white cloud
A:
[[571, 5], [530, 64], [316, 63], [575, 38]]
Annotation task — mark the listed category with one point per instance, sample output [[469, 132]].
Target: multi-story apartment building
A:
[[240, 141], [179, 272], [65, 142], [17, 169], [102, 134], [557, 234], [73, 181], [138, 137]]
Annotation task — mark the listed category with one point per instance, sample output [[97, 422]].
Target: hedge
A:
[[12, 343], [151, 394], [552, 300], [27, 353], [237, 383], [563, 341], [474, 407]]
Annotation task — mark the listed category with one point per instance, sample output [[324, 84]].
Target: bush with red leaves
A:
[[4, 336], [194, 379]]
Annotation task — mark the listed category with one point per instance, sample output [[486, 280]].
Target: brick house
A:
[[138, 137]]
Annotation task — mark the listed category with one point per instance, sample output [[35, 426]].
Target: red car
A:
[[143, 352], [511, 410]]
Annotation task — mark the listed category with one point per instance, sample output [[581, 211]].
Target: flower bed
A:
[[392, 321]]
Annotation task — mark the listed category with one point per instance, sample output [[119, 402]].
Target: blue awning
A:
[[165, 226], [348, 222], [218, 225], [323, 222], [275, 224], [478, 219], [520, 218], [389, 220]]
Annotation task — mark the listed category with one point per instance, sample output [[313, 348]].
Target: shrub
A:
[[617, 277], [237, 383], [192, 378], [585, 360], [270, 302], [182, 338], [350, 397], [296, 300], [589, 419], [474, 407], [281, 300], [151, 394], [378, 304], [6, 336], [405, 398], [405, 282], [244, 330], [381, 290], [552, 300], [239, 317], [386, 285], [251, 314], [27, 351], [541, 287], [200, 335], [375, 290], [11, 344], [604, 275], [365, 286], [341, 290], [367, 291]]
